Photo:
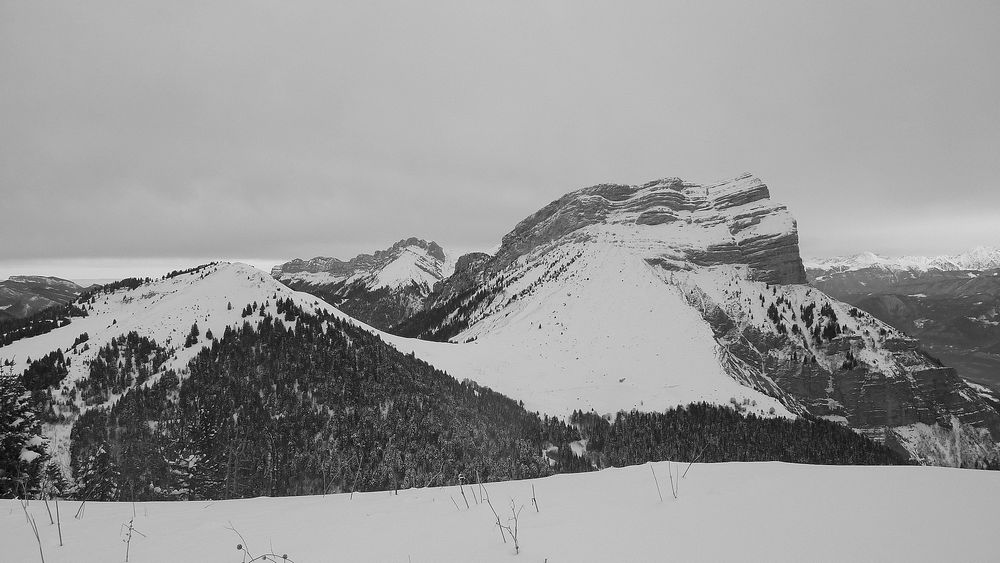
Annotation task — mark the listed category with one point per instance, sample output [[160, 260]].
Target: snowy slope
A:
[[724, 512], [593, 329], [162, 310], [570, 363]]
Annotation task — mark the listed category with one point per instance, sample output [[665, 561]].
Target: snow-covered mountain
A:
[[619, 297], [163, 310], [22, 296], [979, 258], [381, 288]]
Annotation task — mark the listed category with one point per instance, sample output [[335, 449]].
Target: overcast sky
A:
[[170, 132]]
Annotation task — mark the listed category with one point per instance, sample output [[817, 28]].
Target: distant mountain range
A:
[[951, 303], [979, 258], [23, 296]]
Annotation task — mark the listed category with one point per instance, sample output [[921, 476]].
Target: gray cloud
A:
[[258, 129]]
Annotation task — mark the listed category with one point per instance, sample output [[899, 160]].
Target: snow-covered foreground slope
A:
[[724, 512]]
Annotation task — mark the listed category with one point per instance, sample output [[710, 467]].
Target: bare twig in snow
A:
[[128, 530], [656, 481], [242, 547], [495, 515], [58, 522], [696, 458], [461, 479], [79, 511], [34, 529], [46, 501], [673, 486], [515, 514]]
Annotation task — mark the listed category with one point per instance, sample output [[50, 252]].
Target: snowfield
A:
[[724, 512], [606, 334]]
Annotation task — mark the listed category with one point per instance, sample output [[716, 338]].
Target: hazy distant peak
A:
[[979, 258]]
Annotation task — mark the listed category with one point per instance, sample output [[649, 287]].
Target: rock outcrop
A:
[[731, 222]]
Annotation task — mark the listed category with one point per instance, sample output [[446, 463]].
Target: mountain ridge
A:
[[23, 296], [380, 288], [978, 259]]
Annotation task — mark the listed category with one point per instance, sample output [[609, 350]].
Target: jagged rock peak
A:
[[729, 222], [361, 261], [381, 288]]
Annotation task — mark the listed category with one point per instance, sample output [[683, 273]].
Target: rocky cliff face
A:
[[733, 255], [676, 224], [381, 288], [827, 358], [681, 223], [23, 296], [731, 222]]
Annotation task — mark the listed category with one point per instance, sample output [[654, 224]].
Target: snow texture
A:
[[723, 512]]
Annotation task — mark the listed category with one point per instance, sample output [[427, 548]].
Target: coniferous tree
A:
[[22, 448], [192, 337]]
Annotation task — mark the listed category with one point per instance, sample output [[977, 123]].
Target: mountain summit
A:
[[381, 288], [680, 222]]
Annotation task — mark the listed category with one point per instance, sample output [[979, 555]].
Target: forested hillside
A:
[[306, 404], [302, 405]]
